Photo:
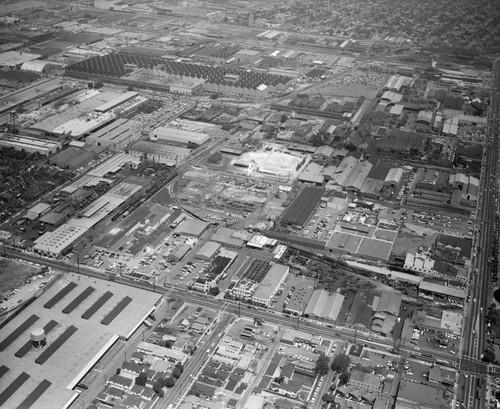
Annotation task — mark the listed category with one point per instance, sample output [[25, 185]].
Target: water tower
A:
[[38, 338]]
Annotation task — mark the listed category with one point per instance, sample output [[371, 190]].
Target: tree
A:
[[488, 356], [496, 295], [279, 380], [141, 379], [169, 382], [322, 365], [328, 398], [180, 366], [176, 373], [158, 387], [317, 139], [340, 363], [344, 378]]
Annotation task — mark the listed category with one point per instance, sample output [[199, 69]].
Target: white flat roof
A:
[[85, 180], [85, 347], [14, 58], [58, 240], [116, 101], [39, 208], [84, 124], [112, 165], [96, 211]]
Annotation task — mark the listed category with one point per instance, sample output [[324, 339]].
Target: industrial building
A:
[[192, 228], [246, 56], [72, 158], [116, 135], [324, 306], [50, 346], [218, 79], [80, 117], [171, 135], [208, 251], [15, 59], [120, 99], [178, 253], [425, 117], [41, 66], [38, 210], [158, 152], [394, 177], [61, 240], [302, 207], [30, 145], [270, 284]]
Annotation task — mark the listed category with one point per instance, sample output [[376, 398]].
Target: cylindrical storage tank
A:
[[38, 338]]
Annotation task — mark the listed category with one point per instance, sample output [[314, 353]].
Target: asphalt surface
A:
[[475, 326], [232, 306]]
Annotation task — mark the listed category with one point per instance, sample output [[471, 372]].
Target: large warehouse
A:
[[324, 305], [158, 152], [57, 242], [302, 207], [177, 136], [270, 284], [51, 345], [72, 158], [31, 145], [116, 135]]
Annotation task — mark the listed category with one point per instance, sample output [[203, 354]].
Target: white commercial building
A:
[[117, 135], [31, 145], [179, 136], [270, 284]]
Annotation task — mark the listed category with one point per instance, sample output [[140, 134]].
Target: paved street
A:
[[475, 330]]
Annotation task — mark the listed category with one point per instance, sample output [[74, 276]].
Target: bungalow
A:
[[121, 382], [131, 368], [133, 402]]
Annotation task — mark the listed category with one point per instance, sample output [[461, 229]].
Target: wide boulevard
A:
[[475, 330]]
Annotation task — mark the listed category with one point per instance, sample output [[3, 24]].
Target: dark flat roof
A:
[[78, 300], [3, 370], [33, 396], [302, 207], [55, 345], [59, 296], [98, 304], [117, 310], [27, 346], [13, 387], [18, 331]]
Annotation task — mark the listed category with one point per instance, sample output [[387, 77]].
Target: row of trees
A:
[[161, 383], [340, 364]]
